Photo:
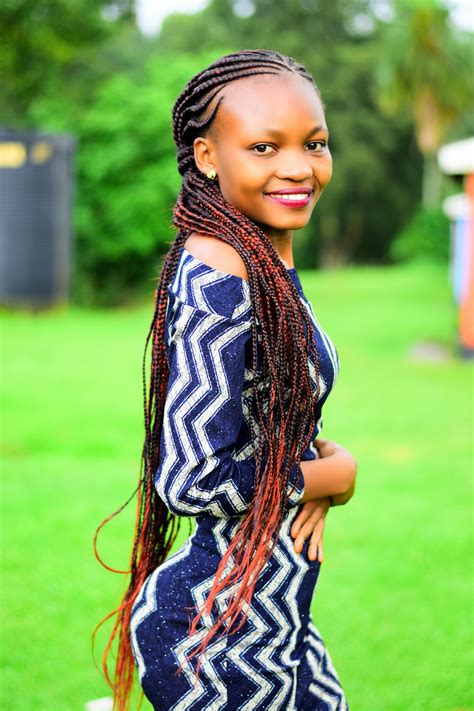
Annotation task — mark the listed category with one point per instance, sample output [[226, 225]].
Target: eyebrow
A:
[[276, 132]]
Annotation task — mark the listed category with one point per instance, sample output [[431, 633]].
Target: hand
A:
[[326, 447], [311, 519]]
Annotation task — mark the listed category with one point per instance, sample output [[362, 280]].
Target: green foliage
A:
[[52, 47], [127, 179], [425, 71], [425, 238], [424, 55]]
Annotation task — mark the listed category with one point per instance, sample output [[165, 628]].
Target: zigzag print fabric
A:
[[277, 660]]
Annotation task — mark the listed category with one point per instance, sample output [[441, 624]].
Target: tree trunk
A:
[[432, 182]]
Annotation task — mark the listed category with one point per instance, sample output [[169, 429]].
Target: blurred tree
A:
[[55, 47], [425, 238], [127, 179], [425, 70]]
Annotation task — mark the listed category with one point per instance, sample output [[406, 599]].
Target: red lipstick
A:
[[297, 197], [289, 191]]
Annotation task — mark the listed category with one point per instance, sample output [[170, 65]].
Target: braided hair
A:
[[285, 407]]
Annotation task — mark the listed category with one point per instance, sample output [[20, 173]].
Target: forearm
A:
[[341, 499], [327, 476]]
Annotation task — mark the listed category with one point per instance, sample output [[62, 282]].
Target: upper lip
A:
[[290, 191]]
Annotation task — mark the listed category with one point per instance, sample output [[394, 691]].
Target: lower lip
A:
[[290, 203]]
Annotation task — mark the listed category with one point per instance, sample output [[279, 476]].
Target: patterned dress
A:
[[278, 659]]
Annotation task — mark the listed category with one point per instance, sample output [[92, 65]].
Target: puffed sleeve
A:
[[207, 337]]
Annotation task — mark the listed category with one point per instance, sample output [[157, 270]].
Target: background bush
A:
[[426, 238]]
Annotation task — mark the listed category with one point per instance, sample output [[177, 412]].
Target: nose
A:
[[294, 167]]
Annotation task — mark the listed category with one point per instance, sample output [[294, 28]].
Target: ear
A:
[[204, 154]]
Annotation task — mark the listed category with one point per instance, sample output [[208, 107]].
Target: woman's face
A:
[[269, 134]]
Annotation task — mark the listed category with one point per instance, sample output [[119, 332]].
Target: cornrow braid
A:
[[284, 389]]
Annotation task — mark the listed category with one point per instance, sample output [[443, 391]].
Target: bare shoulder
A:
[[217, 254]]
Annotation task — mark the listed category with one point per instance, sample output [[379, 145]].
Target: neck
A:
[[282, 241]]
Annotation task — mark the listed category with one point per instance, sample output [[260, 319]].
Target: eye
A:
[[323, 145], [261, 145]]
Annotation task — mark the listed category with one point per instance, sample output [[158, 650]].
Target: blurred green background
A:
[[393, 598]]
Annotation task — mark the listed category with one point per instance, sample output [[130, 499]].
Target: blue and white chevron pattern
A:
[[278, 659]]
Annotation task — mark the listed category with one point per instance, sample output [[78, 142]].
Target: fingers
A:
[[306, 511], [314, 524], [315, 540], [309, 508], [320, 550]]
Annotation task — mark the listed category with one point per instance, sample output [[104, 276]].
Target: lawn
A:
[[393, 597]]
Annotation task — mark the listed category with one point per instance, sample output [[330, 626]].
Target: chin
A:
[[291, 224]]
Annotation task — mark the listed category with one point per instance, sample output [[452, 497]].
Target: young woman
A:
[[240, 371]]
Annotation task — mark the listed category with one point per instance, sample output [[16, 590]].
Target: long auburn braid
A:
[[285, 406]]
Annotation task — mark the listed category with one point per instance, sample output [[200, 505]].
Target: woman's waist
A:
[[213, 536]]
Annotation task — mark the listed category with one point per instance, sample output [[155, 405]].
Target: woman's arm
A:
[[341, 499], [333, 474], [329, 480]]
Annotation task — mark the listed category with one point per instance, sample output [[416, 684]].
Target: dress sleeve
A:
[[198, 471]]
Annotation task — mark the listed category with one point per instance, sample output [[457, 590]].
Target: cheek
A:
[[242, 190], [326, 172], [241, 175], [246, 182]]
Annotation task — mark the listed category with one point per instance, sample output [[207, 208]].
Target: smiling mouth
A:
[[291, 199], [300, 195]]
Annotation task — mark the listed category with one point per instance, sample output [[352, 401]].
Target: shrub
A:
[[426, 237]]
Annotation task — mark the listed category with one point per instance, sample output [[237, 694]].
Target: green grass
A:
[[393, 597]]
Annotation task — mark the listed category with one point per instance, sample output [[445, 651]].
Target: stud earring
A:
[[212, 175]]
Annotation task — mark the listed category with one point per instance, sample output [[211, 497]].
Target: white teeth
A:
[[291, 196]]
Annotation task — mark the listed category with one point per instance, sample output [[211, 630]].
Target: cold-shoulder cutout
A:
[[215, 253], [209, 288]]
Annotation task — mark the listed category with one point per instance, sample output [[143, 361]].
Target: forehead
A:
[[284, 101]]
